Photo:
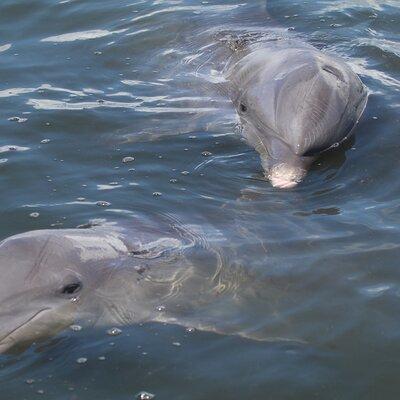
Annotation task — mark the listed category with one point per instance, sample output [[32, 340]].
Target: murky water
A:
[[86, 83]]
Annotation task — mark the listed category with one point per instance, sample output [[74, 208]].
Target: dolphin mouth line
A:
[[33, 317]]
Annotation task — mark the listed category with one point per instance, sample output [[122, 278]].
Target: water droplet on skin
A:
[[74, 299], [145, 396], [140, 269], [40, 391], [114, 332], [160, 308], [206, 153], [176, 344], [103, 203], [185, 172], [34, 215], [81, 360], [190, 329], [81, 199], [173, 180], [44, 141], [157, 194], [101, 358], [128, 159], [76, 328], [30, 381]]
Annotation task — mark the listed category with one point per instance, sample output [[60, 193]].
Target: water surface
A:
[[86, 83]]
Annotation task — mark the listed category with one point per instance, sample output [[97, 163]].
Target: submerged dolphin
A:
[[110, 276], [294, 102]]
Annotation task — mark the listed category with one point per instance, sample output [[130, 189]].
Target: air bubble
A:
[[103, 203], [145, 396], [17, 119], [126, 160], [75, 328], [114, 332]]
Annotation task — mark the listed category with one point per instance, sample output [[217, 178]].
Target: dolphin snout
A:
[[285, 176], [6, 345], [17, 332]]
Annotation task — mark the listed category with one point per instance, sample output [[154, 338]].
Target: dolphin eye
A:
[[243, 107], [71, 288]]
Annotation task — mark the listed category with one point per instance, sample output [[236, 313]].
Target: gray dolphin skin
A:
[[294, 103], [51, 279], [111, 276]]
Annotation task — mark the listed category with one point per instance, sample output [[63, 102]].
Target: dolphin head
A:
[[47, 281], [294, 104]]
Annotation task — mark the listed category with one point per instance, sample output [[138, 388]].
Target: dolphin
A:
[[294, 102], [108, 275]]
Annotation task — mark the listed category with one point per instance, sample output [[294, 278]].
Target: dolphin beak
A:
[[280, 183], [6, 345], [23, 332], [285, 176]]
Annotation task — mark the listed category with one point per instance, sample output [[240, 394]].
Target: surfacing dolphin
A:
[[294, 103], [113, 276]]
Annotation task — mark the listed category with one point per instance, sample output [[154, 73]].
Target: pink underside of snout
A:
[[284, 176]]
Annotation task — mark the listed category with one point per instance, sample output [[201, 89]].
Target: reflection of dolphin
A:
[[294, 103], [105, 276]]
